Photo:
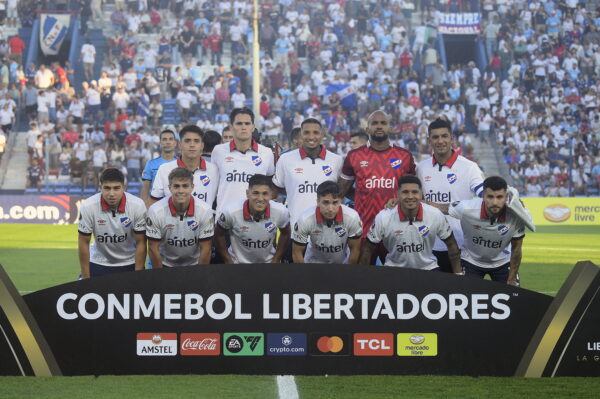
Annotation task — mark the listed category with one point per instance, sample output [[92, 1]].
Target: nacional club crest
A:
[[270, 227], [423, 231], [205, 180], [256, 160], [395, 163], [502, 229], [340, 231], [125, 221], [193, 225], [327, 170], [451, 178]]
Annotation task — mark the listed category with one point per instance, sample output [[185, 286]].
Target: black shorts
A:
[[100, 270]]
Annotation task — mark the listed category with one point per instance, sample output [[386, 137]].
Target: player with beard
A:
[[375, 168]]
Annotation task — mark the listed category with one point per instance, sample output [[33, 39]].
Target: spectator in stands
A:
[[34, 175], [88, 56], [133, 156]]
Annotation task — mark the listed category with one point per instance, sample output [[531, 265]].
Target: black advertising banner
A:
[[312, 319]]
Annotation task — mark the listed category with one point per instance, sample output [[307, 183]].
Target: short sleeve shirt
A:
[[300, 176], [236, 168], [252, 241], [206, 180], [410, 242], [179, 234], [114, 231], [486, 240], [327, 243], [456, 180]]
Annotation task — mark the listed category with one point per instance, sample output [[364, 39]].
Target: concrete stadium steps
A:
[[16, 162]]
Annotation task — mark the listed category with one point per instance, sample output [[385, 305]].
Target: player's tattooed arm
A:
[[345, 185], [516, 253], [454, 255], [83, 246], [154, 253], [354, 245], [367, 251]]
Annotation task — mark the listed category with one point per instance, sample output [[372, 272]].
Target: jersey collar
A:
[[248, 215], [232, 146], [448, 163], [120, 208], [190, 210], [404, 218], [182, 165], [339, 218], [321, 155], [484, 215]]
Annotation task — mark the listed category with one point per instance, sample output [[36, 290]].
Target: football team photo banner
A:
[[300, 319], [54, 28]]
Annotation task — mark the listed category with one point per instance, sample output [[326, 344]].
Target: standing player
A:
[[408, 231], [180, 228], [206, 175], [447, 177], [299, 172], [330, 232], [376, 168], [240, 159], [118, 222], [252, 225], [488, 231], [168, 144]]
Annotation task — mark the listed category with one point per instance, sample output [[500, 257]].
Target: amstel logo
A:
[[557, 213]]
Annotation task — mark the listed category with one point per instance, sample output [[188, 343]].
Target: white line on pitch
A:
[[286, 385], [25, 292], [563, 249], [549, 292]]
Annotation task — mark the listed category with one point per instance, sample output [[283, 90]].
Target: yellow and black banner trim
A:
[[19, 332], [540, 356]]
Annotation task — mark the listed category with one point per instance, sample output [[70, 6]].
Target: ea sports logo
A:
[[395, 163], [327, 170], [234, 344], [451, 178], [330, 344], [256, 160], [423, 231], [205, 180], [502, 230], [125, 221], [557, 213], [270, 227]]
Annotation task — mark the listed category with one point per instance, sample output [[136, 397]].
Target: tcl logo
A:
[[200, 344], [367, 344]]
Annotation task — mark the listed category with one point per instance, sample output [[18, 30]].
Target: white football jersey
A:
[[236, 168], [410, 242], [252, 241], [206, 181], [300, 176], [487, 240], [327, 243], [179, 234], [114, 231], [456, 180]]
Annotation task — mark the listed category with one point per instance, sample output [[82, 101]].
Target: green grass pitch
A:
[[41, 256]]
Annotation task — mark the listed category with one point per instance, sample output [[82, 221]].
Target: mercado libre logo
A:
[[557, 213]]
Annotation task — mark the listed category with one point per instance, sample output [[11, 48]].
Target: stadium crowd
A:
[[537, 97]]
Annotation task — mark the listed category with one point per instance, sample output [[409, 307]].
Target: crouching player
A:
[[252, 226], [489, 230], [329, 232], [179, 227], [408, 231], [118, 222]]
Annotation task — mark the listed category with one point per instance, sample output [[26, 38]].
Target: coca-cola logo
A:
[[200, 344]]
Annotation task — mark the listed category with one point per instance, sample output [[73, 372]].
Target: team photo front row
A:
[[183, 230]]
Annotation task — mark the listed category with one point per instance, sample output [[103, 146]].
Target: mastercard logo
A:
[[330, 344], [557, 213]]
